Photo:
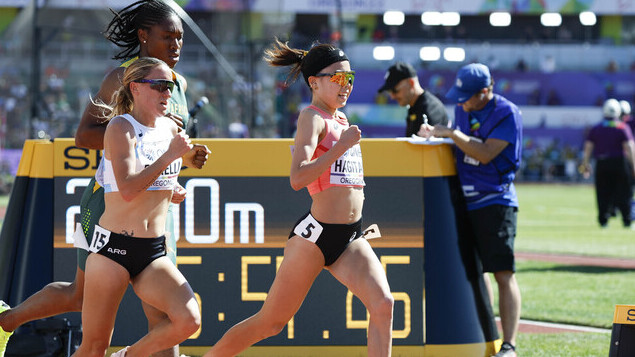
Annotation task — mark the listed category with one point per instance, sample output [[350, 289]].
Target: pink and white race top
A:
[[348, 169]]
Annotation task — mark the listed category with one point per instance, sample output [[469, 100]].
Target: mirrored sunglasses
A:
[[341, 78], [159, 85]]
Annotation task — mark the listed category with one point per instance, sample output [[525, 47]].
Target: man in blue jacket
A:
[[487, 132]]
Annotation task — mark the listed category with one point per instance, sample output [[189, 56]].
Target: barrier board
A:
[[232, 229]]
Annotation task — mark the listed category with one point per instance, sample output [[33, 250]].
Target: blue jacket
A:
[[485, 185]]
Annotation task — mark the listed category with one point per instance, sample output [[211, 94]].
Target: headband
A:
[[315, 61]]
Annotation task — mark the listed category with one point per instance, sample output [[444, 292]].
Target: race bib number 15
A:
[[101, 237]]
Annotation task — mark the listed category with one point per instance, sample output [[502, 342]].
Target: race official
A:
[[402, 84], [488, 135]]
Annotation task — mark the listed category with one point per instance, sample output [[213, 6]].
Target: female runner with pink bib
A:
[[327, 160]]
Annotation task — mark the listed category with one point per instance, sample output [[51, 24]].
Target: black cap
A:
[[396, 73]]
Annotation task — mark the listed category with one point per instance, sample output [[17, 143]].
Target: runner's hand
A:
[[197, 157], [350, 136], [177, 120], [178, 194]]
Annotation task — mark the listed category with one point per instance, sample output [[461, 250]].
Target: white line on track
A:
[[562, 326]]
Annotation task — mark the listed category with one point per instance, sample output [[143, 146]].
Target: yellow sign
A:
[[268, 157], [624, 314]]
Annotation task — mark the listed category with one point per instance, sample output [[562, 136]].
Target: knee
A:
[[275, 327], [269, 325], [382, 308], [71, 295], [504, 278], [187, 323], [271, 328]]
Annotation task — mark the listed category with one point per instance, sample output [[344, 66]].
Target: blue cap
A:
[[469, 80]]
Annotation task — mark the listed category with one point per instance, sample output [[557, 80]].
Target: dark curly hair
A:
[[143, 14]]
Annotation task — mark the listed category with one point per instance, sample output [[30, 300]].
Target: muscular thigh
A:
[[104, 285], [162, 285], [302, 263], [359, 269]]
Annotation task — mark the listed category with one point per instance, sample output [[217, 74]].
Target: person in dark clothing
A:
[[627, 118], [402, 83], [626, 115], [611, 143]]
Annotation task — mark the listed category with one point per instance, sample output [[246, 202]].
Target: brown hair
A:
[[309, 63]]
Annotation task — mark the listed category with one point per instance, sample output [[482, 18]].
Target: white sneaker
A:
[[120, 353], [4, 336], [507, 350]]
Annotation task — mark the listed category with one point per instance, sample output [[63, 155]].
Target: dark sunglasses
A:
[[159, 85], [341, 78]]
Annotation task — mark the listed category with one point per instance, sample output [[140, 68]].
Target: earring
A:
[[144, 41]]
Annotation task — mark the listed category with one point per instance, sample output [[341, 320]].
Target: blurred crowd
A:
[[258, 102], [63, 99], [550, 163]]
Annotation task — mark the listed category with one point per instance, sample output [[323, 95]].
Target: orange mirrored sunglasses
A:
[[341, 78]]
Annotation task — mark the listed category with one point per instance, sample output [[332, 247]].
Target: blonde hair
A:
[[122, 101]]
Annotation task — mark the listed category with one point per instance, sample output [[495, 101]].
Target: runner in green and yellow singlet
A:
[[146, 28]]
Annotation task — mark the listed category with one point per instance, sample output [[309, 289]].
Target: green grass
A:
[[562, 219], [572, 294], [563, 345]]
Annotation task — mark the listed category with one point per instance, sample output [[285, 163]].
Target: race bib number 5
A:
[[309, 229], [101, 237]]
